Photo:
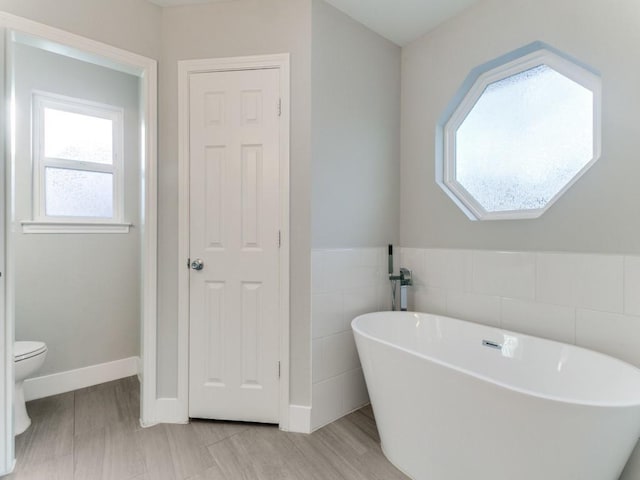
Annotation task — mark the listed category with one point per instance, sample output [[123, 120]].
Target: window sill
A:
[[74, 227]]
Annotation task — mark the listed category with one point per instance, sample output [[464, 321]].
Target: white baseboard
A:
[[70, 380], [299, 419], [170, 410], [9, 470]]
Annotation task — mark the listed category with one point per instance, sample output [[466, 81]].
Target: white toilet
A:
[[28, 357]]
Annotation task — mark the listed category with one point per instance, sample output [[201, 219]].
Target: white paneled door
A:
[[234, 245]]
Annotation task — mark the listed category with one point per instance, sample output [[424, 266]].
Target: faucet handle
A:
[[405, 276]]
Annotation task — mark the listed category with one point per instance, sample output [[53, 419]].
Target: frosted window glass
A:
[[78, 193], [526, 137], [74, 136]]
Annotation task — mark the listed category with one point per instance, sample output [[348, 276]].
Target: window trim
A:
[[465, 99], [43, 223]]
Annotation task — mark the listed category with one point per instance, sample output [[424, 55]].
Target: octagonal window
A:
[[520, 132]]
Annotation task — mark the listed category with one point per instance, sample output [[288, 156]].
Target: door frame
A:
[[146, 69], [185, 69]]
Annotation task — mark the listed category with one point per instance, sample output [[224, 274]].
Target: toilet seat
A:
[[25, 350]]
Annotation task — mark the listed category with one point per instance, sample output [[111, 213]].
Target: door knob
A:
[[197, 264]]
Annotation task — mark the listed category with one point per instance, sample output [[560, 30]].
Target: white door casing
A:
[[235, 211], [14, 28]]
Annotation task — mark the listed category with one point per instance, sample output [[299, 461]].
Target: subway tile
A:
[[592, 282], [367, 277], [384, 296], [330, 268], [472, 307], [555, 278], [340, 353], [327, 315], [358, 302], [426, 300], [370, 257], [334, 355], [504, 274], [318, 363], [450, 269], [354, 390], [413, 259], [383, 259], [542, 320], [345, 269], [632, 285], [611, 333], [601, 285], [319, 278], [326, 402], [338, 396]]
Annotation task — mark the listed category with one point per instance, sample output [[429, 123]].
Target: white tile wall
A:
[[509, 274], [539, 319], [345, 283], [611, 333], [481, 308], [450, 269], [429, 299], [587, 281], [632, 285], [327, 313], [590, 300]]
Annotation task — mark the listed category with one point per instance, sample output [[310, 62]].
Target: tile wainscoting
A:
[[345, 283], [589, 300], [585, 299]]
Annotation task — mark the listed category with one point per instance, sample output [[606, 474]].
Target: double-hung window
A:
[[77, 162]]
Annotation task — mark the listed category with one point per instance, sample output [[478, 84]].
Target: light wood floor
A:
[[93, 434]]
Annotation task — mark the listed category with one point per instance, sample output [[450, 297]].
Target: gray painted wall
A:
[[227, 29], [599, 213], [245, 27], [133, 25], [355, 133], [79, 293]]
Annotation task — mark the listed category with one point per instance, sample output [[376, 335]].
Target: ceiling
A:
[[401, 21]]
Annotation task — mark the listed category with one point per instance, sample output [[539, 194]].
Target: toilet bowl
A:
[[28, 357]]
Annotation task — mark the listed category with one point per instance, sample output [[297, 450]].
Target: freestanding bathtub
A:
[[455, 400]]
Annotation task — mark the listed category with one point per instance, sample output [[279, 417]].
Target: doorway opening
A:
[[79, 214]]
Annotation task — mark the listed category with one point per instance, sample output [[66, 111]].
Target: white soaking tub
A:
[[455, 400]]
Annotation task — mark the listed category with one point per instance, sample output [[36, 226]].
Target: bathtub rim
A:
[[523, 391]]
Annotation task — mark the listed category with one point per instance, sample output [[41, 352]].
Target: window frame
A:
[[43, 223], [516, 62]]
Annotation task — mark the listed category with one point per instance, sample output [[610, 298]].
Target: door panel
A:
[[234, 225]]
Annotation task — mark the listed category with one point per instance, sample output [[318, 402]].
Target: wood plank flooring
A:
[[93, 434]]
